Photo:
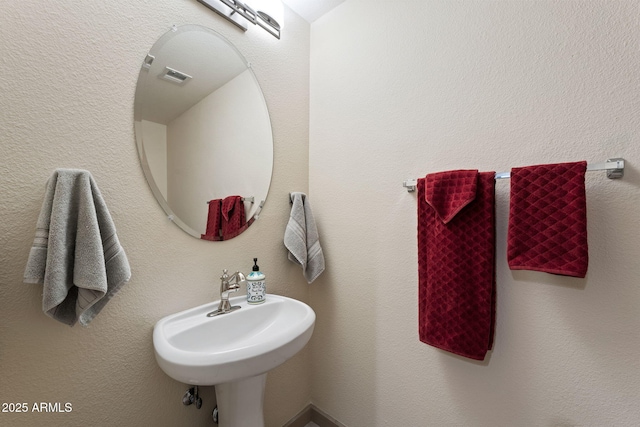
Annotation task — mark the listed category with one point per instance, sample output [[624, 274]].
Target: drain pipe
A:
[[191, 396]]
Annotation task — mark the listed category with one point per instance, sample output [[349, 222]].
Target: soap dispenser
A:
[[256, 285]]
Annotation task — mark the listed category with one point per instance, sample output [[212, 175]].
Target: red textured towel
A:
[[234, 219], [213, 221], [548, 219], [449, 192], [456, 261]]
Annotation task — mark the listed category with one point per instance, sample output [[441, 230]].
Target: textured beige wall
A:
[[398, 92], [68, 72]]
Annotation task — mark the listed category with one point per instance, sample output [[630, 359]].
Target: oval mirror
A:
[[203, 133]]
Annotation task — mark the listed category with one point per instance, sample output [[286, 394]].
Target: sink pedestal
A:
[[241, 402]]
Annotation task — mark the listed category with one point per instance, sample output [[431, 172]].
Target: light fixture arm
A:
[[243, 9], [228, 9]]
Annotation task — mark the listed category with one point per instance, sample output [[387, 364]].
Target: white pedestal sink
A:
[[233, 351]]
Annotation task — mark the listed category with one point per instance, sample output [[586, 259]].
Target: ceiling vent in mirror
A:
[[174, 76]]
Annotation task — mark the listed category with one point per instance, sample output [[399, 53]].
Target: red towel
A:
[[213, 221], [548, 219], [456, 261], [234, 219]]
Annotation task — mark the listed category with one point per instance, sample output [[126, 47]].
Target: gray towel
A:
[[76, 254], [302, 240]]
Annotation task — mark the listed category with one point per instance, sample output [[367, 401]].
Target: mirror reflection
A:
[[203, 133]]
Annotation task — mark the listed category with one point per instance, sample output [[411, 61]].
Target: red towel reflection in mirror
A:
[[226, 219], [234, 219], [214, 220]]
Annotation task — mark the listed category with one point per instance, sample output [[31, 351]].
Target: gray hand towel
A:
[[76, 254], [302, 240]]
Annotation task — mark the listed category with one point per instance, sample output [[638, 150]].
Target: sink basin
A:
[[199, 350]]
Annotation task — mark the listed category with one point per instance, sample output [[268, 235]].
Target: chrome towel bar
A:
[[614, 168]]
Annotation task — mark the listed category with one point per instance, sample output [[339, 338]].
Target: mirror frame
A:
[[254, 212]]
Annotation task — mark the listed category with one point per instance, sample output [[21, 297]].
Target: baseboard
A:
[[323, 419], [312, 413], [301, 420]]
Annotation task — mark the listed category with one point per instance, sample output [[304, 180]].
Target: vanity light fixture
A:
[[268, 14]]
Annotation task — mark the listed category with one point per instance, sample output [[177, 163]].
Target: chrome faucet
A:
[[228, 285]]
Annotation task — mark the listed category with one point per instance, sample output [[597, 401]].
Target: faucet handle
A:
[[240, 278]]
